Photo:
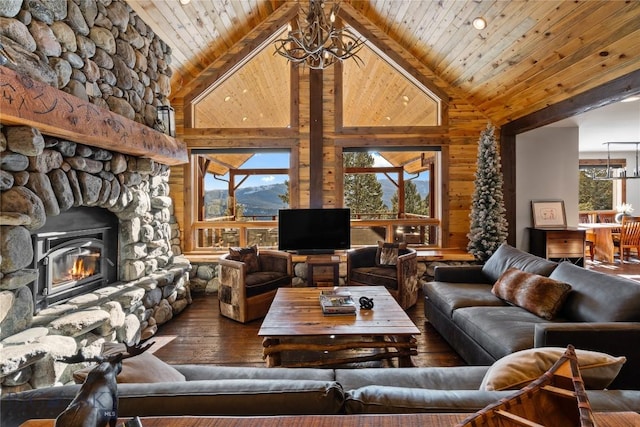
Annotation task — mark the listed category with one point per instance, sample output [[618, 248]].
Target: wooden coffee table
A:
[[295, 323]]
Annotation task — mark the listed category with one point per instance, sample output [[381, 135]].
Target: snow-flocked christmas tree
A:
[[488, 223]]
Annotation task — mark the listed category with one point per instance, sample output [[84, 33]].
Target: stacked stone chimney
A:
[[102, 52]]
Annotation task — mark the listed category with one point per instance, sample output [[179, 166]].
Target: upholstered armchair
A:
[[249, 281], [365, 266]]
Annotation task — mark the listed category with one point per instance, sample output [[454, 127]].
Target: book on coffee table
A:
[[336, 302]]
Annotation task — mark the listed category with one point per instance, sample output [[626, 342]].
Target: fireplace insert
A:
[[75, 253]]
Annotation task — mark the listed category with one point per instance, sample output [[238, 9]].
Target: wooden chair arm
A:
[[407, 276], [232, 274]]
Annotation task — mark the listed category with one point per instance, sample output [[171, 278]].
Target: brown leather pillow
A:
[[387, 253], [249, 256], [538, 294]]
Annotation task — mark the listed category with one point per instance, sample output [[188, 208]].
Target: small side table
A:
[[323, 270]]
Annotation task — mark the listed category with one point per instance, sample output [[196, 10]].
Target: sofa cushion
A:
[[387, 253], [437, 378], [376, 276], [264, 281], [193, 372], [499, 330], [516, 370], [249, 256], [598, 297], [143, 368], [448, 296], [394, 400], [507, 256], [540, 295]]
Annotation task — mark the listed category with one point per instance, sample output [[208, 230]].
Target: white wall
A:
[[546, 169]]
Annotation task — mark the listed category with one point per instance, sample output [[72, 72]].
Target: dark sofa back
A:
[[506, 257], [598, 297]]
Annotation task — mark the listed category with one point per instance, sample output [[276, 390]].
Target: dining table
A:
[[601, 234]]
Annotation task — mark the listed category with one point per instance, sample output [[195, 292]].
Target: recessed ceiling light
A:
[[479, 23], [631, 99], [184, 2]]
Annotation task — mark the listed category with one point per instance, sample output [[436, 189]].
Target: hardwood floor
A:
[[200, 335]]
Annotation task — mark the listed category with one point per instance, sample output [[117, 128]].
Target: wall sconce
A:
[[167, 117]]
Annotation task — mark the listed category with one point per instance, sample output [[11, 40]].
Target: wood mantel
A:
[[25, 101]]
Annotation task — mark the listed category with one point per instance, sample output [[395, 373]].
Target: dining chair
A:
[[629, 237], [589, 244], [607, 217]]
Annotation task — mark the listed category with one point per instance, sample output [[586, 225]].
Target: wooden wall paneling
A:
[[304, 147], [329, 196], [176, 191]]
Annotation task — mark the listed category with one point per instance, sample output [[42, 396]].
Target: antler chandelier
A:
[[318, 44]]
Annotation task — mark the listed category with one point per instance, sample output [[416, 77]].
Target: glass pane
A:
[[74, 264]]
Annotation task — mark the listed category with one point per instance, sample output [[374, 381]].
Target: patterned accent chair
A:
[[400, 279], [248, 283]]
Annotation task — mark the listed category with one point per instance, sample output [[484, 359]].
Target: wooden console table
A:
[[603, 419]]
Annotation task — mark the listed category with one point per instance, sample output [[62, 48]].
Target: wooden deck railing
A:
[[220, 233]]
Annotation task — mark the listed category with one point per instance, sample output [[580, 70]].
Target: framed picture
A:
[[548, 213]]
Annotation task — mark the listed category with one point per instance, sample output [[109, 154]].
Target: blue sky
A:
[[267, 160], [257, 161]]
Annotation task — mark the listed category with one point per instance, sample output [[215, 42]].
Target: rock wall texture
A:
[[97, 50], [42, 176], [102, 52]]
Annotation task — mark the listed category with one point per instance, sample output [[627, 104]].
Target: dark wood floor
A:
[[200, 335]]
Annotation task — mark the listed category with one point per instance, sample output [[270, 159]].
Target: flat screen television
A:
[[314, 231]]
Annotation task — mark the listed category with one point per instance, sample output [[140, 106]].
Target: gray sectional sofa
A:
[[210, 390], [600, 313]]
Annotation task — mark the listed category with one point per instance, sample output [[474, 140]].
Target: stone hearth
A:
[[40, 177]]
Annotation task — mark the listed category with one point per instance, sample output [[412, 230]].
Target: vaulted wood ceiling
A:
[[530, 55]]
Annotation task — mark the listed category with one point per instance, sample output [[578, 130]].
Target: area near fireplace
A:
[[87, 254]]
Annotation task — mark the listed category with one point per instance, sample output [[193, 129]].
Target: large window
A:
[[239, 198], [595, 192], [391, 196]]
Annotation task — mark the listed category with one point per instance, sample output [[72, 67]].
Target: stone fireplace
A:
[[89, 250], [87, 255], [74, 253]]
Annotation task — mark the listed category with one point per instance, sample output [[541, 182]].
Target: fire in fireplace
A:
[[75, 261], [75, 252]]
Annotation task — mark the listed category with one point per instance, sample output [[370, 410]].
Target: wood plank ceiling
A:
[[531, 54]]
